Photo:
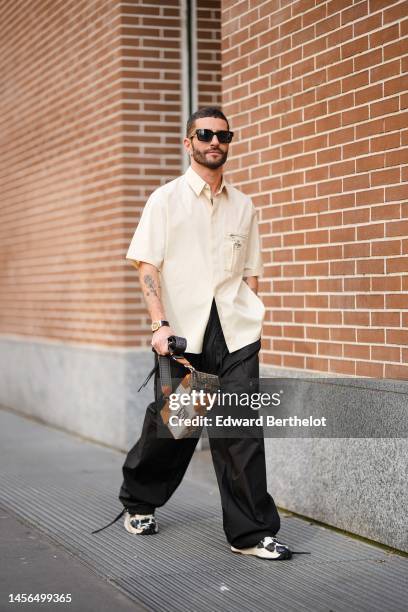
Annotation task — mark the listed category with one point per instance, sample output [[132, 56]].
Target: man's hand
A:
[[252, 282], [159, 339]]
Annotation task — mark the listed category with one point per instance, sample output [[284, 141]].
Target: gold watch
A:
[[157, 324]]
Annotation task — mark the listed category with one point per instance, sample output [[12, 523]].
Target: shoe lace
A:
[[268, 540]]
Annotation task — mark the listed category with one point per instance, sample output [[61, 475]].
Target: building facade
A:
[[94, 102]]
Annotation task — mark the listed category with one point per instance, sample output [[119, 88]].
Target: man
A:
[[197, 249]]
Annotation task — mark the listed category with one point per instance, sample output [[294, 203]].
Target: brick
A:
[[317, 237], [359, 284], [327, 318], [371, 162], [330, 349], [386, 319], [370, 301], [316, 301], [385, 353], [330, 219], [386, 247], [272, 359], [342, 366], [356, 351], [344, 234], [360, 215], [397, 264], [282, 345], [317, 269], [342, 267], [317, 364], [397, 336], [384, 107], [359, 181], [395, 371], [342, 302], [309, 348], [370, 266], [397, 158], [397, 85], [370, 128], [371, 196], [354, 47], [387, 283], [370, 370], [396, 300], [343, 334], [327, 285], [383, 36], [396, 228], [307, 285], [293, 331], [368, 94], [374, 230], [293, 361], [357, 318], [371, 335], [395, 49], [397, 193], [308, 254], [356, 81], [342, 168], [385, 177], [305, 316], [345, 200], [385, 71], [366, 60], [389, 141]]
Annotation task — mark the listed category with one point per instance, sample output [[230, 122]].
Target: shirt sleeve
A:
[[253, 263], [149, 240]]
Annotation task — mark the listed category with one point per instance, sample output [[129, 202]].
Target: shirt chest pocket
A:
[[235, 246]]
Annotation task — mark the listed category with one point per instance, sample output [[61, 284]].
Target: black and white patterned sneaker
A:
[[268, 548], [141, 524]]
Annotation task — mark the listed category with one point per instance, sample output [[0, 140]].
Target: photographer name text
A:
[[261, 420]]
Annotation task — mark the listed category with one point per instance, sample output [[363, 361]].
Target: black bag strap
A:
[[177, 346], [111, 523]]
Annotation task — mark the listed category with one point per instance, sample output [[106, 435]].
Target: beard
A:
[[201, 158]]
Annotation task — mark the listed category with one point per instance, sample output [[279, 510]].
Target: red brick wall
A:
[[91, 122], [209, 53], [153, 130], [317, 97], [61, 218]]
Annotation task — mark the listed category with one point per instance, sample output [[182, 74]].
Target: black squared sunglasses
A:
[[204, 135]]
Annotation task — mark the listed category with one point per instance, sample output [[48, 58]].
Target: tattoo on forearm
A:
[[150, 285]]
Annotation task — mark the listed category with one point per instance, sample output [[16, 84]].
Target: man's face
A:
[[209, 154]]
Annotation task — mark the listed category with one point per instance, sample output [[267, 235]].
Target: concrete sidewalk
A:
[[56, 488]]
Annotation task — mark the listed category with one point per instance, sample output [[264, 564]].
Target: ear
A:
[[187, 145]]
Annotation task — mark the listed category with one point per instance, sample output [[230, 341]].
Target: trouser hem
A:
[[242, 543], [139, 509]]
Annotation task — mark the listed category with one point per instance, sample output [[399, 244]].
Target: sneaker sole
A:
[[263, 554], [151, 530]]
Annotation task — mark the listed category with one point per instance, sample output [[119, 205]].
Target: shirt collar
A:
[[198, 184]]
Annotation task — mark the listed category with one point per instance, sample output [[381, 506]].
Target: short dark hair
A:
[[206, 111]]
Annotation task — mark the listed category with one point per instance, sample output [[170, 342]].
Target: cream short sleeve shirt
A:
[[203, 247]]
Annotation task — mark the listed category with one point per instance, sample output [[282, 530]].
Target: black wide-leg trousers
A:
[[155, 466]]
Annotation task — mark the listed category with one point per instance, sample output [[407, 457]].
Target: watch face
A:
[[155, 326]]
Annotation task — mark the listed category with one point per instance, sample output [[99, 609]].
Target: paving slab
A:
[[66, 486]]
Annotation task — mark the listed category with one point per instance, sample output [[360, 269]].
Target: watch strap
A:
[[157, 324]]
